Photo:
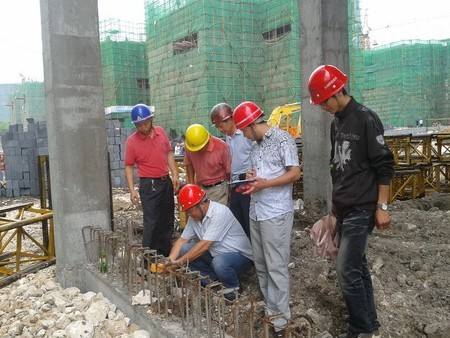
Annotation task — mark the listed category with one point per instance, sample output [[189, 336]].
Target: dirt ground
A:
[[410, 272], [410, 266]]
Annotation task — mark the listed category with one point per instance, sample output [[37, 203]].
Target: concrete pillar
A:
[[324, 40], [76, 128]]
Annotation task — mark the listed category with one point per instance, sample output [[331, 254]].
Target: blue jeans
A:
[[353, 274], [225, 267]]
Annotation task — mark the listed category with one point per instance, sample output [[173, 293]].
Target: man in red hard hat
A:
[[361, 169], [240, 148], [274, 167], [213, 242]]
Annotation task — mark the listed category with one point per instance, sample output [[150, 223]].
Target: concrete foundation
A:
[[157, 327]]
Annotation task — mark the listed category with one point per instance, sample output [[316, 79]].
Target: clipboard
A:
[[242, 181]]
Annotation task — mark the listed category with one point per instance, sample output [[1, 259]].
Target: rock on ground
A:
[[37, 306]]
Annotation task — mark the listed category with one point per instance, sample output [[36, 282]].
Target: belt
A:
[[162, 178], [212, 185]]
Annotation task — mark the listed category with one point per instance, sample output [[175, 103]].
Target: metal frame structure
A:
[[422, 163], [13, 264]]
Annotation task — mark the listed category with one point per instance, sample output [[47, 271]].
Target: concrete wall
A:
[[76, 129], [324, 40]]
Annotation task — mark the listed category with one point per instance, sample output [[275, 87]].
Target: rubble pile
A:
[[37, 306]]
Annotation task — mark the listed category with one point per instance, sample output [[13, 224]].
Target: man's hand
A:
[[251, 173], [382, 219], [255, 186], [134, 197], [173, 264], [176, 183]]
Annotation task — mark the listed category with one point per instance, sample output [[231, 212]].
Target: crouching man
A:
[[213, 241]]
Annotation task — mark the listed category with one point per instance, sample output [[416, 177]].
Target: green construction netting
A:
[[202, 52], [402, 82], [193, 54], [124, 63], [7, 91], [357, 45], [408, 81], [28, 101]]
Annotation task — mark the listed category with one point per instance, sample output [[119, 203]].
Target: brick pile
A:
[[21, 148]]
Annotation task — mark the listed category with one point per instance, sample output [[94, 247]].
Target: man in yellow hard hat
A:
[[208, 162]]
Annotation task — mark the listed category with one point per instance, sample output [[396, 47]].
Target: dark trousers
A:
[[353, 273], [239, 206], [158, 207]]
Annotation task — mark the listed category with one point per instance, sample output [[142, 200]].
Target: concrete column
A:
[[324, 40], [76, 128]]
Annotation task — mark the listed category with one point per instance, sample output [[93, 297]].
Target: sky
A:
[[388, 21]]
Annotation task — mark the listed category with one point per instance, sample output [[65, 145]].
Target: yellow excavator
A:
[[287, 117]]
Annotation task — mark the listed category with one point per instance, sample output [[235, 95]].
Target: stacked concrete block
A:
[[21, 168], [21, 148], [117, 137]]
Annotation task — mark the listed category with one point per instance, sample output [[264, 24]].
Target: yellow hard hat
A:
[[196, 137]]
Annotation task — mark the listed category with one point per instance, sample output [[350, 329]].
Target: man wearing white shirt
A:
[[275, 166], [213, 241]]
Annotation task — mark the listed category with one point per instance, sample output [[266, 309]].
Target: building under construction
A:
[[191, 55], [205, 52]]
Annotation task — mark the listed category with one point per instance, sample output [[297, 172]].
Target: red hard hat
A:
[[246, 113], [324, 82], [221, 112], [190, 195]]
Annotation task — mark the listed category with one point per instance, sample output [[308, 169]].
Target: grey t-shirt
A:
[[220, 226]]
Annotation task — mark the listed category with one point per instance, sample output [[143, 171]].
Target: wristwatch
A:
[[383, 206]]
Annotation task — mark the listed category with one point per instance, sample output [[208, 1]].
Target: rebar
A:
[[199, 302]]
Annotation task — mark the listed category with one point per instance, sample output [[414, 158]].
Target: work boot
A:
[[230, 294]]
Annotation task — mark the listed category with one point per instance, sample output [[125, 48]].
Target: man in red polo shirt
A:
[[149, 150], [208, 162]]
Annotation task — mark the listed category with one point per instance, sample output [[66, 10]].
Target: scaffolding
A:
[[204, 52], [124, 63]]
